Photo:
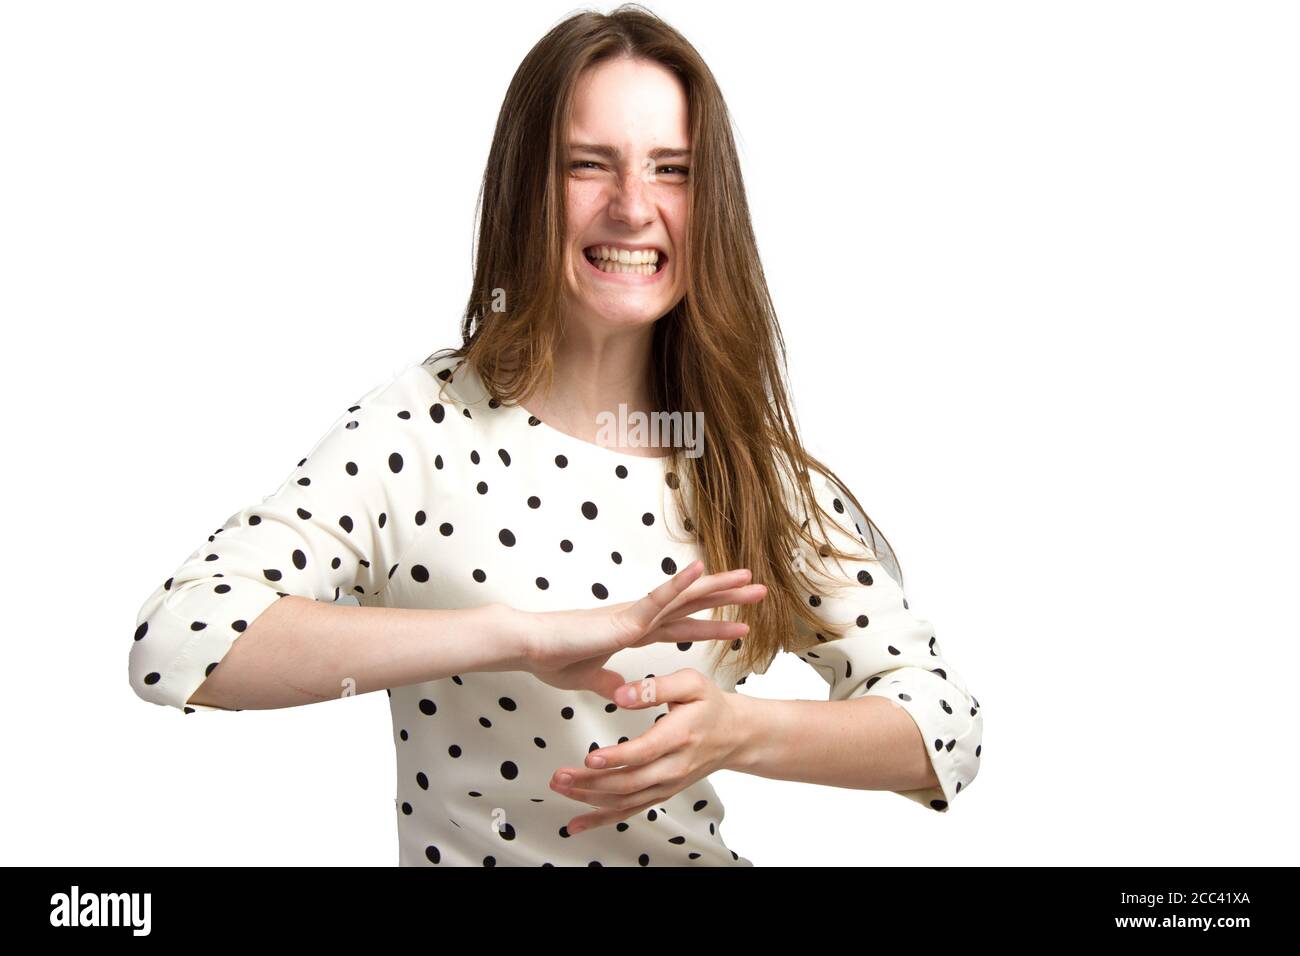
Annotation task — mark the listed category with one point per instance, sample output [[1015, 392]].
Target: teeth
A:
[[643, 269], [625, 256]]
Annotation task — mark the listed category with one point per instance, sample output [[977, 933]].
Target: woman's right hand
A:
[[568, 649]]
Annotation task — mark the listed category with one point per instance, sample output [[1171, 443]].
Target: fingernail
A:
[[565, 779], [626, 694], [596, 760]]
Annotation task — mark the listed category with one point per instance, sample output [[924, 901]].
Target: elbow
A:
[[145, 676], [183, 632], [142, 674], [164, 665]]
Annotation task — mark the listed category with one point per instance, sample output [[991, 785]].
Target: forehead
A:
[[633, 104]]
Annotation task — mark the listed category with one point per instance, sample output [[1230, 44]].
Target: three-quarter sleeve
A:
[[337, 525], [887, 651]]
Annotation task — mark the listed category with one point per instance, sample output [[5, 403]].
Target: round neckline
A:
[[527, 419], [622, 457]]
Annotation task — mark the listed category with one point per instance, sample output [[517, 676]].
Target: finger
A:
[[643, 612], [664, 737], [709, 584], [604, 682], [680, 686], [599, 818], [691, 629], [749, 594], [669, 595], [623, 789], [618, 782], [607, 800]]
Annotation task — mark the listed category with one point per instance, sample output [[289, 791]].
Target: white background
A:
[[1037, 270]]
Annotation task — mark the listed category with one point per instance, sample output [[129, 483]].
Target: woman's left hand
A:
[[701, 732]]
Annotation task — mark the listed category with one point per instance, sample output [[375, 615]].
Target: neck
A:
[[595, 372]]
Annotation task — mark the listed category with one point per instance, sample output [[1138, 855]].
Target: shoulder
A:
[[823, 490], [430, 387], [848, 524]]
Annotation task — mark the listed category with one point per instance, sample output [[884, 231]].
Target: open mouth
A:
[[617, 260]]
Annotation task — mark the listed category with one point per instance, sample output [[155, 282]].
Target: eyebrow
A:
[[613, 152]]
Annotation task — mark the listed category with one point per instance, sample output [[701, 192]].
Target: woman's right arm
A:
[[301, 651], [341, 523], [249, 619]]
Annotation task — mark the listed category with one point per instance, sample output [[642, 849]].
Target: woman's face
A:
[[627, 188]]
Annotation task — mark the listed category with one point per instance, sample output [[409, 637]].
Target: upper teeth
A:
[[626, 256]]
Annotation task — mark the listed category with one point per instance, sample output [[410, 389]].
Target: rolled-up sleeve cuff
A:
[[950, 724], [178, 656]]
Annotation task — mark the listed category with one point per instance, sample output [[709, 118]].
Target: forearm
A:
[[868, 743], [300, 651]]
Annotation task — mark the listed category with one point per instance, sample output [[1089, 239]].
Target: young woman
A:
[[561, 670]]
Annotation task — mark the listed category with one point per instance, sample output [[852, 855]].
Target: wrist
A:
[[752, 734], [514, 632]]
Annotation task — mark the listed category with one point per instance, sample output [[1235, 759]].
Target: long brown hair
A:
[[719, 350]]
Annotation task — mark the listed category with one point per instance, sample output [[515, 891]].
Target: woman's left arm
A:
[[898, 718], [869, 743]]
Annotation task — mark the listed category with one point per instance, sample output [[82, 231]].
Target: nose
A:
[[630, 202]]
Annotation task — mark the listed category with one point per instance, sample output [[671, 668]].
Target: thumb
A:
[[604, 682]]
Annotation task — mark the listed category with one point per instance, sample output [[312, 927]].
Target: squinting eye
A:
[[682, 170], [582, 162]]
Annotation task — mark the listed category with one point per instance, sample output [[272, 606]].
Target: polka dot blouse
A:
[[428, 493]]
